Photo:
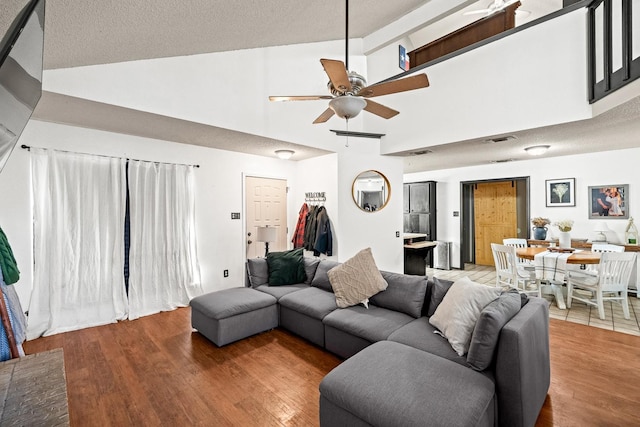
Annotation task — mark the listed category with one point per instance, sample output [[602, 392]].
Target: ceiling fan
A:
[[494, 7], [349, 91]]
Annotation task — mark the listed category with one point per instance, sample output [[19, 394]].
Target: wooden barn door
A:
[[495, 217]]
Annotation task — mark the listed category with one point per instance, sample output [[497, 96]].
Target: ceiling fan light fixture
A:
[[537, 150], [285, 154], [347, 107]]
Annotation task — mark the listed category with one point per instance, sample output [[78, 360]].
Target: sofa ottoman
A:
[[391, 384], [232, 314]]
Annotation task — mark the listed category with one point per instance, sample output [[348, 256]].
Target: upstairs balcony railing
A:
[[614, 55]]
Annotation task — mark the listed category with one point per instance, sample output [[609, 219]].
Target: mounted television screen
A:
[[20, 74]]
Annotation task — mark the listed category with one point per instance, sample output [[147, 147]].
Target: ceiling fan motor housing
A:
[[357, 83]]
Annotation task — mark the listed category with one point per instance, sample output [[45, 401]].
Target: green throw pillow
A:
[[286, 268]]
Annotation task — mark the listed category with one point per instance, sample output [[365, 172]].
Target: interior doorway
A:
[[491, 211], [266, 205]]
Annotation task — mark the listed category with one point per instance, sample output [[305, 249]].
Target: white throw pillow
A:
[[357, 279], [459, 311]]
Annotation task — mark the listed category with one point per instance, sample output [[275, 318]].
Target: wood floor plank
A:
[[157, 371]]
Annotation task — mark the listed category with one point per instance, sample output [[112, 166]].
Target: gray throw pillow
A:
[[310, 267], [258, 272], [457, 314], [487, 330], [356, 280], [321, 278], [405, 293], [439, 289], [286, 268]]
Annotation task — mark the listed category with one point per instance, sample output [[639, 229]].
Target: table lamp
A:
[[266, 234], [600, 229]]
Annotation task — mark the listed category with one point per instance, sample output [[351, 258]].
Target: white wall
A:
[[354, 229], [535, 77], [597, 169], [219, 186], [318, 175], [359, 229], [225, 89]]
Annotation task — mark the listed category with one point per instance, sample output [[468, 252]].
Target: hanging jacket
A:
[[8, 264], [324, 240], [298, 234], [310, 228]]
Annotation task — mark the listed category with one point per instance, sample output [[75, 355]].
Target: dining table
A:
[[577, 257], [553, 278]]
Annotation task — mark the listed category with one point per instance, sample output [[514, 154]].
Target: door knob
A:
[[249, 234], [249, 242]]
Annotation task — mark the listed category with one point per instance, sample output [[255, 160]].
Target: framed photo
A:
[[610, 201], [403, 58], [561, 192]]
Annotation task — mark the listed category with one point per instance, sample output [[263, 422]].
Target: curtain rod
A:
[[28, 148]]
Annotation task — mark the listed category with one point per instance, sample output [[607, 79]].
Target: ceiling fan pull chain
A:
[[346, 144]]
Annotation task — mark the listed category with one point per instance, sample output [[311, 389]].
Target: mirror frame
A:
[[387, 184]]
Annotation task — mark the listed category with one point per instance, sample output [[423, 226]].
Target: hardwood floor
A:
[[156, 371]]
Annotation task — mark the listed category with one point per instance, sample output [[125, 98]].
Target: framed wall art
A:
[[610, 201], [561, 192]]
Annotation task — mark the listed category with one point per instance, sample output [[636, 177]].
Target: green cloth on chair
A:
[[10, 271]]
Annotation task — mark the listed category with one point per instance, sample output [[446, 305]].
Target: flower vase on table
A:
[[539, 233], [564, 239], [539, 229]]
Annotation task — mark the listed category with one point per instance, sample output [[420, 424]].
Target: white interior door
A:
[[266, 204]]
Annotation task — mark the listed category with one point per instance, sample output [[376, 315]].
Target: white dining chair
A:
[[606, 247], [592, 269], [518, 243], [609, 284], [508, 273]]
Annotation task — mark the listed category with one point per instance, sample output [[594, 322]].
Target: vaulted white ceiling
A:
[[80, 32]]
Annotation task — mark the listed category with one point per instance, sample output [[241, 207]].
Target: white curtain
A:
[[78, 208], [164, 269]]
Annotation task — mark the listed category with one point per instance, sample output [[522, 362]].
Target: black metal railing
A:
[[606, 44]]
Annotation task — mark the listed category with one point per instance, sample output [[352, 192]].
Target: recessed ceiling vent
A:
[[499, 139], [502, 161], [420, 152]]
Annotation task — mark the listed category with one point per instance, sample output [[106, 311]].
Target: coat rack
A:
[[315, 197]]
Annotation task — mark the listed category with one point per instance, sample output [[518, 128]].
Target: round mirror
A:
[[371, 191]]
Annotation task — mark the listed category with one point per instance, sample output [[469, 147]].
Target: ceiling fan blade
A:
[[299, 98], [337, 73], [395, 86], [380, 110], [326, 115]]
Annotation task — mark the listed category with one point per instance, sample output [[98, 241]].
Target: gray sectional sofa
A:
[[399, 371]]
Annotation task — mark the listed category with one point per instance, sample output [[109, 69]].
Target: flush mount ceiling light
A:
[[285, 154], [537, 150]]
